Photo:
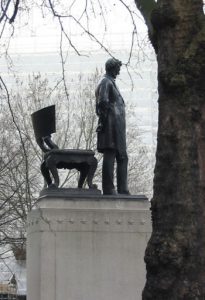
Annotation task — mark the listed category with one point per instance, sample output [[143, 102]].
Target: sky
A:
[[38, 31]]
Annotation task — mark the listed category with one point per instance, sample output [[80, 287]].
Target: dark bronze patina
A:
[[111, 130], [54, 158]]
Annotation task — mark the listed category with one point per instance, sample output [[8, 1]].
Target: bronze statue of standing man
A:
[[111, 130]]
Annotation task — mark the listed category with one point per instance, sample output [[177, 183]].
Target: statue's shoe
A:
[[110, 192]]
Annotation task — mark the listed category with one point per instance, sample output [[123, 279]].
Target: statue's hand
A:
[[99, 127]]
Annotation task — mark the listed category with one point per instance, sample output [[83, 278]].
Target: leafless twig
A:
[[20, 135]]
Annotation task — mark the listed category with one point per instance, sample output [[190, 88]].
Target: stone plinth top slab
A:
[[82, 194], [90, 199]]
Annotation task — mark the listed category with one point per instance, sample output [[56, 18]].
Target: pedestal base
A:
[[87, 249]]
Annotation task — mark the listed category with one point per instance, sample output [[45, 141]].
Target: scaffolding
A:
[[8, 291]]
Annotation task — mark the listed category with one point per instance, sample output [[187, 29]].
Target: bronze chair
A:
[[54, 158]]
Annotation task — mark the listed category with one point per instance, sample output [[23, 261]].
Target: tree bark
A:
[[175, 255], [146, 7]]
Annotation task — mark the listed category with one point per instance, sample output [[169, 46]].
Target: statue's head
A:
[[112, 67]]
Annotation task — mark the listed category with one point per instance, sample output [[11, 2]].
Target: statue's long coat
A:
[[110, 108]]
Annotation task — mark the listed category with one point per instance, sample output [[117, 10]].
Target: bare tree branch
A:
[[63, 67], [12, 19], [133, 32], [20, 135], [4, 10], [92, 36]]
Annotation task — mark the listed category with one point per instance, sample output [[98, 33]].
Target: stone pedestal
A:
[[87, 247]]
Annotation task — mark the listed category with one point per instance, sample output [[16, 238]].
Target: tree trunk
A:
[[175, 255]]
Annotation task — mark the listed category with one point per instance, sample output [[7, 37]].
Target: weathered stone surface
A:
[[86, 249]]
